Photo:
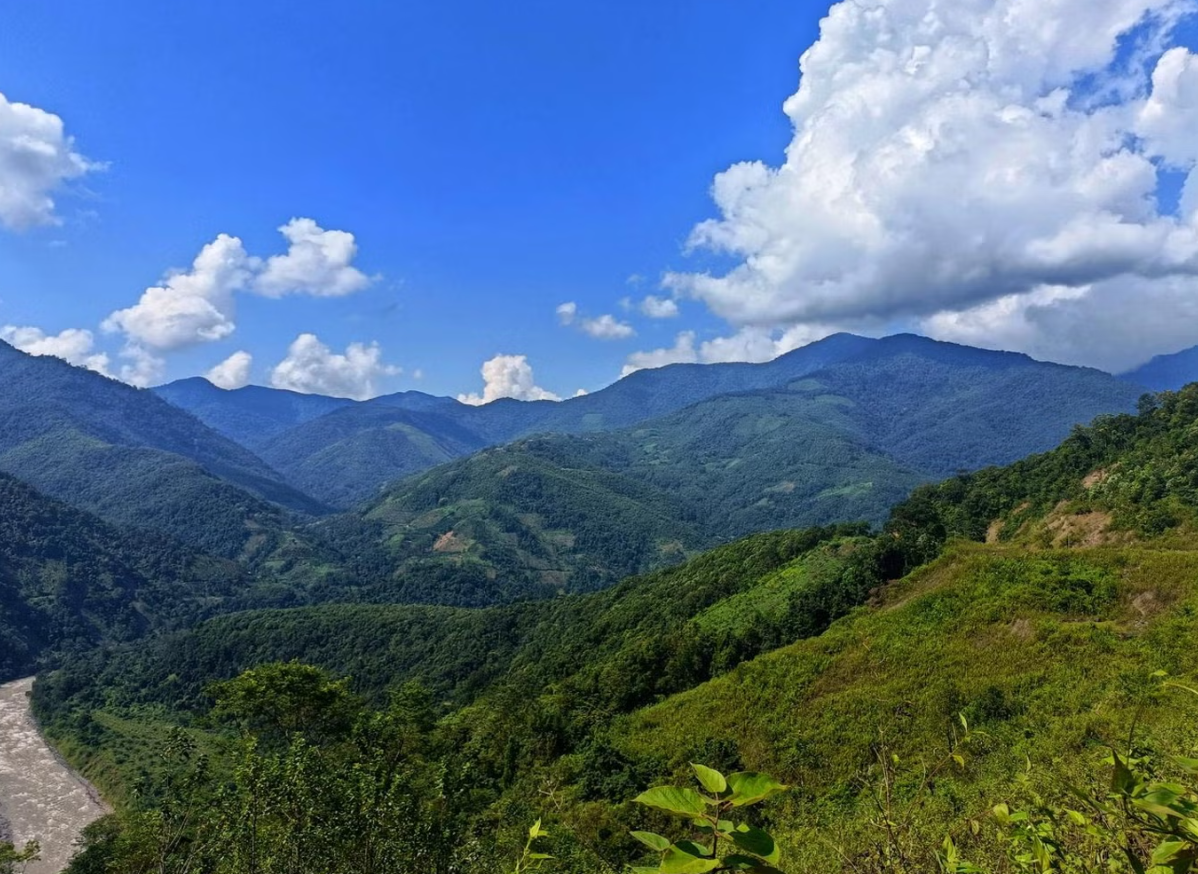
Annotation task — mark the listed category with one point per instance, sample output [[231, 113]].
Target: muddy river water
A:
[[41, 798]]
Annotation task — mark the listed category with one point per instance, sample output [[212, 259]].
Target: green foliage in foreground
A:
[[719, 843]]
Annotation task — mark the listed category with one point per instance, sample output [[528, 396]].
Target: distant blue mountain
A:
[[342, 452], [1167, 372]]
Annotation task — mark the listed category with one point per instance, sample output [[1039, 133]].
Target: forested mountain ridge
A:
[[1167, 372], [347, 455], [69, 581], [249, 415], [844, 443], [378, 442], [132, 458], [1036, 600]]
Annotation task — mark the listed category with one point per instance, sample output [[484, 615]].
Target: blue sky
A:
[[492, 160], [998, 173]]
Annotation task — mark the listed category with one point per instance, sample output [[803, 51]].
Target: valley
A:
[[552, 622], [599, 438]]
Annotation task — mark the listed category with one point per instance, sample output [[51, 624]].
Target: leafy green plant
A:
[[1140, 824], [530, 859], [750, 848]]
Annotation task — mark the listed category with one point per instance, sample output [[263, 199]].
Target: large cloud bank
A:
[[985, 170]]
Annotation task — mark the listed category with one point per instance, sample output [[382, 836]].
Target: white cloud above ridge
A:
[[198, 305], [74, 345], [508, 376], [233, 372], [36, 159], [604, 327], [682, 352], [317, 262], [192, 306], [754, 345], [311, 367], [948, 156]]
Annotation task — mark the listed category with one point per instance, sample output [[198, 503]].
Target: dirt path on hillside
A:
[[41, 798]]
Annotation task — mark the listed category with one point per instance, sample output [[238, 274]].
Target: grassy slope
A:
[[1048, 653]]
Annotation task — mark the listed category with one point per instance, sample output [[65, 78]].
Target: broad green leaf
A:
[[755, 841], [677, 860], [741, 863], [1122, 780], [713, 781], [1168, 851], [671, 799], [534, 831], [694, 848], [653, 841], [749, 788]]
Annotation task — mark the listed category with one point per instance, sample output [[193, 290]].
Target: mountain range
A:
[[414, 498]]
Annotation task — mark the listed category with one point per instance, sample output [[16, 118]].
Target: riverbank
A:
[[41, 798]]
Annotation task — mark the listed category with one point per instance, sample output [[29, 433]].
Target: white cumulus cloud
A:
[[73, 345], [192, 306], [508, 376], [682, 352], [659, 307], [317, 262], [567, 312], [36, 159], [199, 305], [954, 155], [233, 372], [605, 327], [142, 368], [312, 367]]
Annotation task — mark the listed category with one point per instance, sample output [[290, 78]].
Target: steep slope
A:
[[509, 521], [1167, 372], [461, 652], [132, 458], [69, 580], [1037, 600]]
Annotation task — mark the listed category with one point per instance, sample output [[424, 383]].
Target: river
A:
[[40, 797]]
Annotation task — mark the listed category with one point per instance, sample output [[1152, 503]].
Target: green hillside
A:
[[345, 457], [1034, 600], [846, 443], [69, 581], [993, 407], [133, 459]]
